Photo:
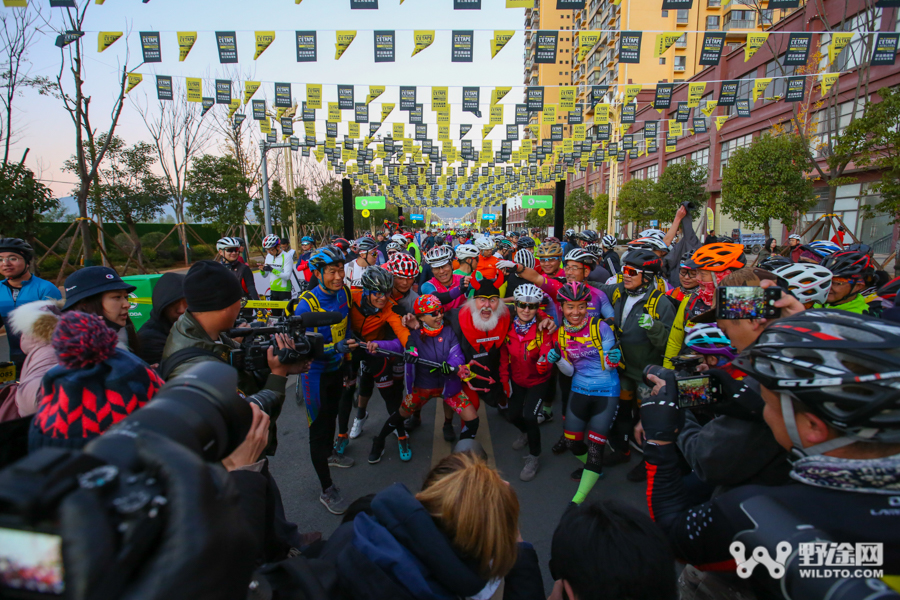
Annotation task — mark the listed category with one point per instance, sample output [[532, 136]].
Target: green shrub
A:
[[50, 266], [149, 254], [125, 242], [201, 252], [169, 249]]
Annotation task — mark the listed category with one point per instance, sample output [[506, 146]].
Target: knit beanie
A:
[[95, 386], [210, 286]]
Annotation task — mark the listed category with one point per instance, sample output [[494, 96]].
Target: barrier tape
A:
[[248, 304]]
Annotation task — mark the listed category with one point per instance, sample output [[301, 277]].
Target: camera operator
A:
[[828, 382], [689, 242]]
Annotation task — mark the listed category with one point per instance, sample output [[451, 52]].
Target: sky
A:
[[46, 129]]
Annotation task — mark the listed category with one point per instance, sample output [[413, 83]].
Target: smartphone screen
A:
[[31, 564], [747, 302], [696, 391]]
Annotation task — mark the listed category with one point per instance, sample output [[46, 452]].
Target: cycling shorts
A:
[[420, 397]]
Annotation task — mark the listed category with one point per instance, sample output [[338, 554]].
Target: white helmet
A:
[[397, 237], [525, 258], [439, 256], [466, 251], [652, 233], [227, 242], [808, 282], [608, 241], [649, 242], [484, 243], [528, 292], [270, 241], [795, 236]]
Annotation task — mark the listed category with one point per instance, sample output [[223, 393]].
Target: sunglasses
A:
[[841, 281], [548, 259], [434, 314], [378, 295], [231, 249], [631, 271], [527, 306]]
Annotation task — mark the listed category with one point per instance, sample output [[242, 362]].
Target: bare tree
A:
[[180, 133], [88, 154]]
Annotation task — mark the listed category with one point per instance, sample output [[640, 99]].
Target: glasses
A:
[[231, 250], [631, 271], [434, 314], [527, 306], [378, 295], [575, 267], [687, 272], [548, 259], [11, 260], [841, 281]]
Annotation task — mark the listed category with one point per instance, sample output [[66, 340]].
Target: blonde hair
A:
[[476, 509]]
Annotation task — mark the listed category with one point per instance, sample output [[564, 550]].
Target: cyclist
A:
[[367, 250], [610, 257], [798, 253], [467, 256], [307, 247], [278, 263], [487, 261], [550, 254], [586, 352], [525, 372], [440, 259], [583, 238], [569, 241], [230, 251], [851, 271], [809, 283]]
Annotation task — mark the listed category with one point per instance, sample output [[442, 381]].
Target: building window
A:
[[778, 87], [854, 54], [682, 16], [676, 161], [652, 172], [682, 41], [713, 3], [712, 23], [765, 16], [701, 157], [638, 174], [740, 19], [730, 146], [662, 60], [680, 63], [665, 13]]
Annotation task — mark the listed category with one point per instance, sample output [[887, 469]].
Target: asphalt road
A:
[[541, 501]]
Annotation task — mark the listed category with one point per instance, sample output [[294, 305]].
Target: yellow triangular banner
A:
[[105, 39], [186, 41], [755, 41], [838, 42], [586, 41], [695, 92], [374, 92], [828, 80], [250, 88], [759, 86], [721, 121], [710, 107], [664, 41], [264, 39], [133, 80], [423, 38], [498, 94], [344, 39], [501, 37]]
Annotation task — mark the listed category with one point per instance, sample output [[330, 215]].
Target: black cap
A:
[[91, 281], [210, 286]]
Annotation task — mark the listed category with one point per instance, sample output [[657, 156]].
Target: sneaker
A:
[[405, 450], [532, 464], [521, 441], [544, 417], [377, 450], [340, 444], [638, 473], [413, 421], [333, 501], [561, 446], [576, 474], [449, 432], [358, 425], [340, 461], [615, 457]]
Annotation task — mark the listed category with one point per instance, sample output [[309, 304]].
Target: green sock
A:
[[588, 479], [548, 409], [582, 458]]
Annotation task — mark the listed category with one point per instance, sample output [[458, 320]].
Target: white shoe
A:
[[358, 425]]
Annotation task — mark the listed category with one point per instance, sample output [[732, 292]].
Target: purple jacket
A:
[[440, 348]]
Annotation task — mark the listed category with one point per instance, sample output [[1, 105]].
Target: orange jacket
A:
[[487, 266], [374, 328]]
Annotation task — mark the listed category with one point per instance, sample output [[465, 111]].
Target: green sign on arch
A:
[[370, 202], [537, 201]]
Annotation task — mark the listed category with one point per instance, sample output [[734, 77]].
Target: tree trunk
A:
[[767, 229], [182, 233], [84, 226], [138, 253]]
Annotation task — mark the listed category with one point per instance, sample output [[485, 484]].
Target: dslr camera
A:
[[251, 356], [200, 410]]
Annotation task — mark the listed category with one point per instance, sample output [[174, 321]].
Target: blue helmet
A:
[[307, 240], [328, 255], [823, 248]]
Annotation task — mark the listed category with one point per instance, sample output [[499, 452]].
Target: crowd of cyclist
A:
[[595, 331]]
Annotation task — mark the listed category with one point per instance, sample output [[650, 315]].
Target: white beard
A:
[[479, 323]]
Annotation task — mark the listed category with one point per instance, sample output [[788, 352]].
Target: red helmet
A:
[[341, 243], [409, 235], [426, 304], [403, 265]]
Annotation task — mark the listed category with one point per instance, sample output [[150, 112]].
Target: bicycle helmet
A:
[[403, 265], [393, 247], [227, 242], [549, 250], [329, 255], [570, 233], [648, 243], [376, 279], [307, 240], [657, 233], [848, 264], [270, 241], [525, 243], [643, 260], [808, 282], [774, 261], [364, 244], [502, 243], [524, 258], [822, 248], [889, 290], [484, 243], [439, 256], [582, 256], [608, 241], [587, 236], [398, 237], [341, 243], [842, 366], [795, 236], [528, 292], [595, 249], [707, 338], [685, 258], [552, 240], [19, 246], [861, 248], [717, 257], [464, 251], [575, 291], [426, 304], [440, 238], [410, 236]]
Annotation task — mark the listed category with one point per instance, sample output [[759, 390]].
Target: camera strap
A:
[[173, 360]]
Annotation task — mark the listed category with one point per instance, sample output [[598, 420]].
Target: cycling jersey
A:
[[858, 305], [245, 276], [433, 286], [592, 376], [282, 266]]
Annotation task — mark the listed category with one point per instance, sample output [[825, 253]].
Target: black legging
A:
[[565, 389], [279, 296], [321, 431], [525, 404]]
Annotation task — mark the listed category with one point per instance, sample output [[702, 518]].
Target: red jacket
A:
[[520, 354]]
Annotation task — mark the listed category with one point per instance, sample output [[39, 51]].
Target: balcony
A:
[[682, 17], [681, 42], [680, 68], [739, 24], [713, 4]]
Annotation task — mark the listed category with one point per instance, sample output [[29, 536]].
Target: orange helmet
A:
[[717, 257]]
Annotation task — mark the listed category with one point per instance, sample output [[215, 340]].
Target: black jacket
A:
[[153, 334]]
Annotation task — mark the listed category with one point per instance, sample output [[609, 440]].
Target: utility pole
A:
[[264, 147], [613, 173]]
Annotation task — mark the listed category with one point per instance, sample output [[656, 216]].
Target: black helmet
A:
[[844, 367], [365, 244], [377, 279], [525, 242], [18, 246], [848, 264], [861, 248], [774, 261], [643, 260], [587, 235], [323, 257]]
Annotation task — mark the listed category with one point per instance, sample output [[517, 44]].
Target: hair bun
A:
[[83, 340]]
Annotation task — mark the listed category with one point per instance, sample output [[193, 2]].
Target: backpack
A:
[[596, 338]]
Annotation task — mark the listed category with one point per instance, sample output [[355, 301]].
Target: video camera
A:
[[200, 410], [251, 356]]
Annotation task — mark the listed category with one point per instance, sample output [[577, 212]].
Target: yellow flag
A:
[[374, 92], [759, 86], [186, 41], [439, 98], [586, 41], [334, 112], [16, 3], [578, 133], [520, 3], [194, 89], [601, 114], [385, 111], [313, 95], [399, 131], [567, 97], [133, 80], [310, 129], [498, 94], [232, 108], [496, 115], [264, 39], [674, 127], [549, 115], [443, 117], [720, 121], [838, 42], [695, 92], [499, 40], [664, 41], [344, 39], [631, 92], [265, 126], [423, 39], [105, 39], [755, 41], [535, 129], [828, 80], [250, 88], [710, 107]]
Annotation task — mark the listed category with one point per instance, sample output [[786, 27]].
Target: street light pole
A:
[[267, 214]]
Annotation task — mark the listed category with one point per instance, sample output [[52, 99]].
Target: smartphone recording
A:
[[747, 302], [696, 391]]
